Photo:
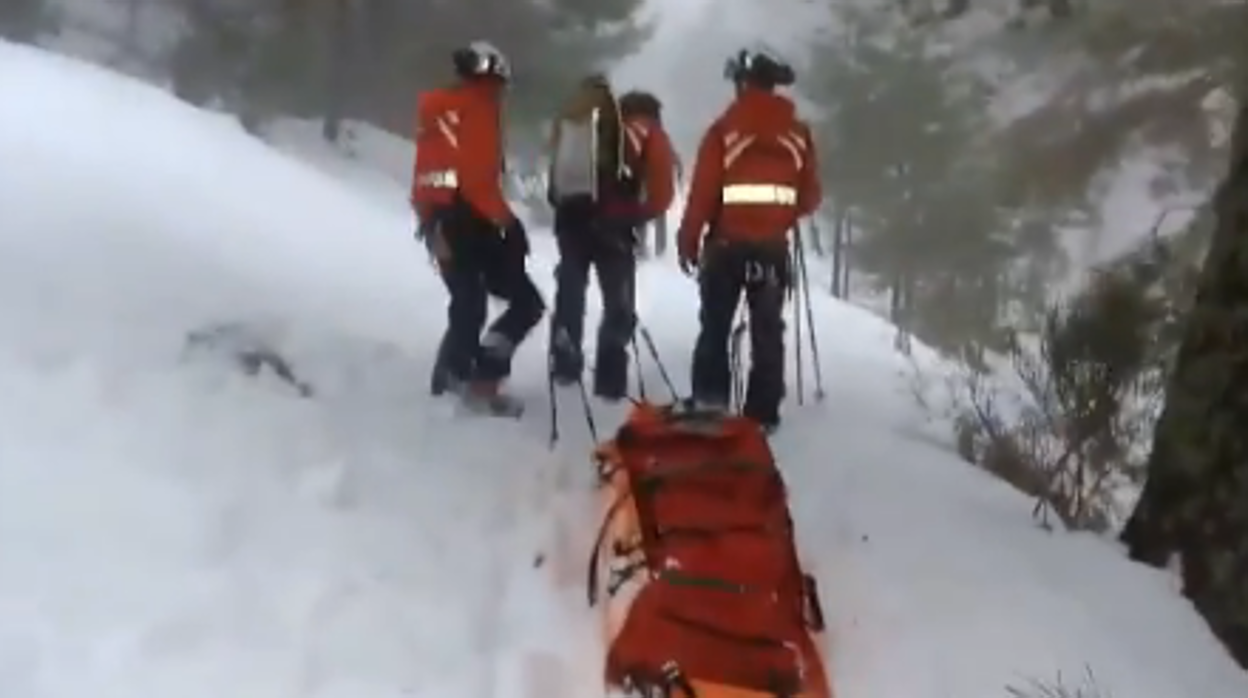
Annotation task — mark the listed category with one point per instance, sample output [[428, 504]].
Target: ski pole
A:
[[554, 397], [554, 401], [589, 409], [641, 381], [736, 362], [810, 321], [654, 353], [797, 315]]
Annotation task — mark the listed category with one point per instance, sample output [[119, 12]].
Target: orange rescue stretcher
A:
[[695, 570]]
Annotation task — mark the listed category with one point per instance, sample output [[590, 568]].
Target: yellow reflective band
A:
[[445, 179], [760, 194]]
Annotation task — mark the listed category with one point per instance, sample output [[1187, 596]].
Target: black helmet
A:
[[759, 66], [481, 59]]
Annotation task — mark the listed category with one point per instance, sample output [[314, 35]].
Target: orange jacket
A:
[[755, 176], [459, 150], [648, 143]]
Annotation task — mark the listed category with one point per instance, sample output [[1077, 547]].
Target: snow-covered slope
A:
[[169, 527]]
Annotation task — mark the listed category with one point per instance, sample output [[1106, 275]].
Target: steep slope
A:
[[168, 527]]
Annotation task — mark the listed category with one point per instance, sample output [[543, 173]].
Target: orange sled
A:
[[695, 569]]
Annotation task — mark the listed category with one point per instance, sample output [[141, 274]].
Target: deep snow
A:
[[169, 527]]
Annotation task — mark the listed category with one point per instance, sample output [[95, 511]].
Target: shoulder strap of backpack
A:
[[612, 127], [636, 146]]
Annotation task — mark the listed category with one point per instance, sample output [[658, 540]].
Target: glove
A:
[[622, 231], [516, 237], [689, 263], [431, 233]]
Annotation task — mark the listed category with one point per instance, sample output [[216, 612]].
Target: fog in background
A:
[[684, 61], [977, 157]]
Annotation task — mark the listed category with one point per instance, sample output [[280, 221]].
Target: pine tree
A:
[[1131, 75], [25, 20], [908, 148], [550, 45], [367, 59]]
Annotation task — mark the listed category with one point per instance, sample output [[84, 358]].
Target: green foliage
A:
[[26, 20], [908, 148], [959, 212], [370, 59], [223, 54], [1134, 73]]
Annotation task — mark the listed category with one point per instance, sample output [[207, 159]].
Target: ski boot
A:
[[611, 374], [566, 362], [488, 398]]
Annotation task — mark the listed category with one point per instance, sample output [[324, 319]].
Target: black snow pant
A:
[[763, 273], [588, 240], [482, 263]]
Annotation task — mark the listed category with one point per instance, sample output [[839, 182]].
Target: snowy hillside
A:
[[171, 527]]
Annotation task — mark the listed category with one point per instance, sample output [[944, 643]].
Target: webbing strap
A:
[[651, 481], [591, 574], [781, 684], [712, 531], [716, 583], [668, 682]]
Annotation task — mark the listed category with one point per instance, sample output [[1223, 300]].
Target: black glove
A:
[[516, 237], [622, 230], [430, 224], [431, 234], [637, 235], [423, 228]]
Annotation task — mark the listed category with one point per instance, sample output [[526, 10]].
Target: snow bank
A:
[[168, 527]]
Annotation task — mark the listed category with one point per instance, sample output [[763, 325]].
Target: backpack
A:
[[695, 562], [587, 146], [634, 104]]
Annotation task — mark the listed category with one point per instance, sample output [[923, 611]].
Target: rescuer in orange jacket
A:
[[644, 113], [480, 245], [611, 174], [755, 176]]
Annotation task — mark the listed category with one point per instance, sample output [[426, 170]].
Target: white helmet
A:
[[481, 59]]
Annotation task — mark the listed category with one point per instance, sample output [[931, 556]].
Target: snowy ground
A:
[[169, 527]]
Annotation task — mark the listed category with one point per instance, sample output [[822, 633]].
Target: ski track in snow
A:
[[169, 526]]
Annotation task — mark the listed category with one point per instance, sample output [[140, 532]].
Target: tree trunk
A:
[[899, 312], [1195, 503], [838, 252], [134, 16], [816, 238], [847, 245], [340, 25], [840, 255]]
